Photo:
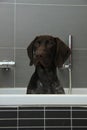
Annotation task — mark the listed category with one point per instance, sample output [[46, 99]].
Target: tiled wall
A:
[[22, 20], [43, 118]]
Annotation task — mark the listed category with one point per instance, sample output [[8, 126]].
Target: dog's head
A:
[[47, 50]]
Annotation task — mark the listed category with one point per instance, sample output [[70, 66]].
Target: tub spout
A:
[[6, 64]]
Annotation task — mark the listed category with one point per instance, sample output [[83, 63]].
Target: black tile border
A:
[[71, 125]]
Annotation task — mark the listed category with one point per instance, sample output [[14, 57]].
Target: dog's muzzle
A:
[[42, 59]]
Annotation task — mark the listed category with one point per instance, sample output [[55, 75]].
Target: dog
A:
[[46, 53]]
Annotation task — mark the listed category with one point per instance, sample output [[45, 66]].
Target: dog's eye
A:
[[37, 44], [50, 44], [47, 41]]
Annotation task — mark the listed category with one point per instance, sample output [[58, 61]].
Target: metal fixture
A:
[[69, 66], [5, 64]]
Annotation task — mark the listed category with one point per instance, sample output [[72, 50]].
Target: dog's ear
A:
[[30, 51], [62, 52]]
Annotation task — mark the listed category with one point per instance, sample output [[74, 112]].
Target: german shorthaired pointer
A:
[[46, 53]]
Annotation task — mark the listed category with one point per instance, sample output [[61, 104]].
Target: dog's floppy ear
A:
[[62, 52], [30, 51]]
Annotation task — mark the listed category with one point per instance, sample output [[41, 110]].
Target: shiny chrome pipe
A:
[[70, 62], [69, 66]]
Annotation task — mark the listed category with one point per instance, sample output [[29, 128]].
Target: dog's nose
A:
[[40, 54], [40, 51]]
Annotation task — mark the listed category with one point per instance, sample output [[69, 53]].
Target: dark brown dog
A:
[[46, 53]]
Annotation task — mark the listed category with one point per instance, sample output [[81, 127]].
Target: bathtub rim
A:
[[62, 100]]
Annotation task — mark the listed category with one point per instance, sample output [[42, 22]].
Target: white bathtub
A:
[[45, 100], [18, 96], [23, 91]]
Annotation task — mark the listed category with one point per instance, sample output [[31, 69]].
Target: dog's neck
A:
[[46, 73], [46, 69]]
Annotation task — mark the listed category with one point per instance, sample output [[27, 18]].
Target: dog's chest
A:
[[43, 88]]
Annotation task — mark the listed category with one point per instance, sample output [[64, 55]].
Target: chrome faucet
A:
[[5, 64]]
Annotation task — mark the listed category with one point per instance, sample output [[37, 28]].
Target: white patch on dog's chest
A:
[[39, 83]]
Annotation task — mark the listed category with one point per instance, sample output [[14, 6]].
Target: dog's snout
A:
[[39, 54]]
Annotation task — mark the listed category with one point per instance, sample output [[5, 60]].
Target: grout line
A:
[[7, 127], [13, 48], [43, 4], [40, 119], [61, 5], [8, 107], [42, 127], [71, 117], [38, 4], [46, 127], [17, 118], [9, 119], [74, 49], [44, 118], [14, 40], [35, 110]]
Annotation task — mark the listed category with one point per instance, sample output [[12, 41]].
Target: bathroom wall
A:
[[22, 20]]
